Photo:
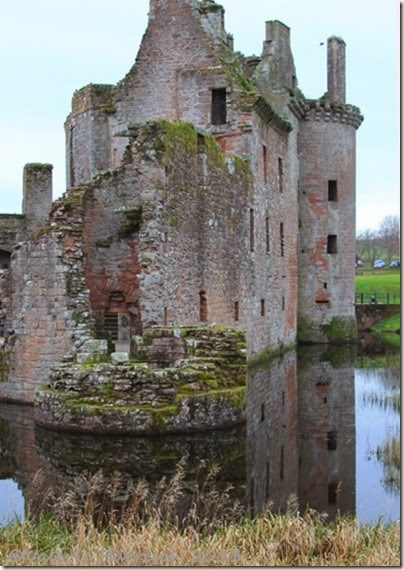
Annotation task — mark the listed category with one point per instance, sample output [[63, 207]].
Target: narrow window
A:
[[280, 173], [262, 412], [282, 236], [203, 307], [165, 316], [219, 115], [262, 307], [236, 311], [268, 242], [252, 230], [265, 162], [332, 191], [283, 303], [332, 244], [332, 440]]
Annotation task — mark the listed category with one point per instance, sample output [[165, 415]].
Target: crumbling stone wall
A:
[[49, 312]]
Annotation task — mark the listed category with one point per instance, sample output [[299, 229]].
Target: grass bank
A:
[[151, 528], [282, 540], [389, 330], [379, 282]]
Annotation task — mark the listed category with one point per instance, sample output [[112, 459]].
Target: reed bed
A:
[[111, 523]]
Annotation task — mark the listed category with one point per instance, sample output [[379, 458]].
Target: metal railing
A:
[[377, 298]]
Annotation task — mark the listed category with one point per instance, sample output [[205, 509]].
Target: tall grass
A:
[[146, 529]]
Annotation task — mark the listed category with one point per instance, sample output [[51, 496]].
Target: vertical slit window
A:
[[262, 307], [332, 191], [252, 229], [203, 307], [282, 238], [219, 113], [165, 316], [267, 237], [265, 163], [332, 246], [236, 311], [280, 174]]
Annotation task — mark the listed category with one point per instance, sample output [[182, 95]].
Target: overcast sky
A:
[[50, 48]]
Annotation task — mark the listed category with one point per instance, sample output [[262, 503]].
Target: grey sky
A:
[[50, 48]]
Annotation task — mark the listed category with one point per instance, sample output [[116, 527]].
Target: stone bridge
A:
[[369, 314]]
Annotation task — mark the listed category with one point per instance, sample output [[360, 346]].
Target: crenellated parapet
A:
[[330, 111]]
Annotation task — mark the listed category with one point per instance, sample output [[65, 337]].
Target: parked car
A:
[[379, 264], [395, 264]]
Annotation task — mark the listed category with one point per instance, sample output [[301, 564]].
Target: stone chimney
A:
[[37, 194], [336, 69]]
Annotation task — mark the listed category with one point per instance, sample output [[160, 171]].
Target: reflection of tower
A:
[[326, 424], [272, 434]]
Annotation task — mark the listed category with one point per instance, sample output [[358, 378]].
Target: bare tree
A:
[[389, 236], [368, 245]]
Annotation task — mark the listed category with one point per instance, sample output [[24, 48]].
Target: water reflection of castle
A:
[[299, 440]]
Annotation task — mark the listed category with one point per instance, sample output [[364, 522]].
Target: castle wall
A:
[[48, 303]]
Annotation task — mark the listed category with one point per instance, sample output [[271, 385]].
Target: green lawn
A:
[[379, 282]]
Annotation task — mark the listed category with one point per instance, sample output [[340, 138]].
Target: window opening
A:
[[282, 236], [332, 191], [252, 224], [203, 307], [262, 307], [280, 172], [236, 311], [262, 412], [268, 242], [265, 162], [219, 115], [332, 244], [331, 440]]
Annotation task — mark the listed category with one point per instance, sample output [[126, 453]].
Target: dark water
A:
[[317, 421]]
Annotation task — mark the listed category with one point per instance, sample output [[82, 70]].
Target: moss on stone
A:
[[340, 329], [180, 136]]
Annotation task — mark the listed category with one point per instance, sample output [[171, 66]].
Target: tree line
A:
[[383, 242]]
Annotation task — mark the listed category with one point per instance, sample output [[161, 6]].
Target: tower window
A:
[[332, 246], [265, 162], [332, 191], [219, 114], [262, 307]]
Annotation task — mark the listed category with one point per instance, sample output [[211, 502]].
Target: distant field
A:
[[379, 282]]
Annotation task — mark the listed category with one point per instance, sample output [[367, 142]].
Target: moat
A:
[[317, 422]]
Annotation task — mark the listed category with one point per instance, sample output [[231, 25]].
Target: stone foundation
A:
[[181, 380]]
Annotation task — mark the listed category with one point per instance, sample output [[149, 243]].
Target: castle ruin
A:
[[206, 196]]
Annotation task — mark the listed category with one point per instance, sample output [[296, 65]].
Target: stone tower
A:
[[327, 154]]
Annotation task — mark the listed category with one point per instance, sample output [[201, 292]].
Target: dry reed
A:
[[119, 523]]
